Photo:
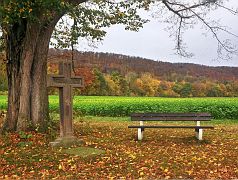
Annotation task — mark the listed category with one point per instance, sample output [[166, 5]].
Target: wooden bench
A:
[[197, 117]]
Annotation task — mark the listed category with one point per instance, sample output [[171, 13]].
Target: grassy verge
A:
[[79, 118]]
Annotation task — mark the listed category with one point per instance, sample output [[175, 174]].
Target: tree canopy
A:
[[81, 19], [88, 18], [27, 27]]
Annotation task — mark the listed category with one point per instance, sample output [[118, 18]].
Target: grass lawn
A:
[[163, 153]]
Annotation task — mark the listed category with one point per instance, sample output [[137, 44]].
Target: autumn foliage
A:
[[163, 154], [118, 75]]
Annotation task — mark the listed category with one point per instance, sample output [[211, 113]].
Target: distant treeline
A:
[[108, 62], [118, 75], [132, 84]]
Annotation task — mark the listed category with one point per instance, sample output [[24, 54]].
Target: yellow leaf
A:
[[189, 172], [132, 156]]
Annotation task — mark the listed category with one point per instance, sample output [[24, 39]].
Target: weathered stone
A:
[[67, 141], [65, 82]]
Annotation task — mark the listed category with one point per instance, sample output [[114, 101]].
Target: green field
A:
[[220, 108], [163, 154]]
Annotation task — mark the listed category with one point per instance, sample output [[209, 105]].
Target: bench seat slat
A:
[[173, 118], [193, 127], [171, 115]]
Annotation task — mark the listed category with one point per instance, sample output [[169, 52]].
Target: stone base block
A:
[[67, 141]]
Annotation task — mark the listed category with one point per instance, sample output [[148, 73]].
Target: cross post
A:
[[65, 82]]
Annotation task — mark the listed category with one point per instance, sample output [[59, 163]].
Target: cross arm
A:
[[61, 81]]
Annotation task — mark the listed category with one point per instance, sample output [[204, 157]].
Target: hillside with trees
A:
[[115, 74], [119, 75]]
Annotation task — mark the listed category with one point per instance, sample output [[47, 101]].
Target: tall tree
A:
[[27, 27]]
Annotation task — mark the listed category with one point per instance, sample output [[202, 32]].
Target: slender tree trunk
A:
[[27, 51]]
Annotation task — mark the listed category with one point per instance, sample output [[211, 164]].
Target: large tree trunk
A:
[[27, 50], [27, 46], [39, 94]]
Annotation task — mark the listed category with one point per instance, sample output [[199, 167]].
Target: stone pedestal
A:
[[66, 141]]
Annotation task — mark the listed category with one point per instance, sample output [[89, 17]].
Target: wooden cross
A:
[[65, 81]]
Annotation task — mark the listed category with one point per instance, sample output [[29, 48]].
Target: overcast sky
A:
[[153, 42]]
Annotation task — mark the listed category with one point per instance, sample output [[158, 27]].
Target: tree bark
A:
[[29, 46], [39, 100], [27, 50]]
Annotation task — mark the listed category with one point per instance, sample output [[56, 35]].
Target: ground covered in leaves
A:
[[163, 153]]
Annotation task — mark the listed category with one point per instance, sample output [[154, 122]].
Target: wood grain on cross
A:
[[65, 81]]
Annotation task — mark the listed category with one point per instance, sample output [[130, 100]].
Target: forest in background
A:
[[120, 75]]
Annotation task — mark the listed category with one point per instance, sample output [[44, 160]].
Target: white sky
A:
[[153, 42]]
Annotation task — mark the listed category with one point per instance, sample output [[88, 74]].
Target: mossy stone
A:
[[84, 151]]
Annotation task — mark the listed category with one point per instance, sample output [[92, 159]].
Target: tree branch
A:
[[186, 13], [76, 1], [228, 9]]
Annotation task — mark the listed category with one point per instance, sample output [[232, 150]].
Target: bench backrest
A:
[[171, 117]]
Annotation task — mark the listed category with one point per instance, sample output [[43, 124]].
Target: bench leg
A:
[[140, 134], [199, 132], [140, 131]]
